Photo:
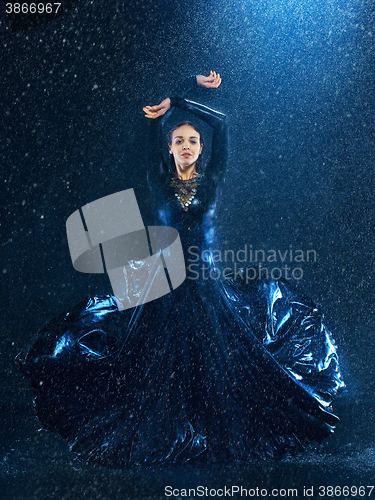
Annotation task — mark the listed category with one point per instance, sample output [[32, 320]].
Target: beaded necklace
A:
[[185, 190]]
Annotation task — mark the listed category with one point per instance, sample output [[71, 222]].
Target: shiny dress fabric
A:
[[217, 370]]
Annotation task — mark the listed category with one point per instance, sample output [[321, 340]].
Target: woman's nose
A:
[[186, 146]]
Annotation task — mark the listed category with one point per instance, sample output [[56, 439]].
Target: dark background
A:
[[298, 89]]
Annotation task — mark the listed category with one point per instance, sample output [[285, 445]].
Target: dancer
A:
[[217, 370]]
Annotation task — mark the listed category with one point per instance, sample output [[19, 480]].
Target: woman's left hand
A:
[[212, 81], [159, 110]]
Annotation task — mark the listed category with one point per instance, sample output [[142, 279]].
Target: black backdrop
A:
[[298, 91]]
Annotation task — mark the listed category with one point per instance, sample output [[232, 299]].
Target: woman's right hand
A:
[[212, 81], [159, 110]]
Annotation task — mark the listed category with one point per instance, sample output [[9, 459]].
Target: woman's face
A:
[[185, 147]]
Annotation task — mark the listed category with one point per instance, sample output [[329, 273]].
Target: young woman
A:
[[217, 370]]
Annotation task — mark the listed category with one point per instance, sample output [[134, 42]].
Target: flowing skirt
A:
[[217, 370]]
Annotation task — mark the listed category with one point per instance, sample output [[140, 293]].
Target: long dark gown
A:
[[217, 370]]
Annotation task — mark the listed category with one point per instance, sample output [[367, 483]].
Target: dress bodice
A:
[[196, 225]]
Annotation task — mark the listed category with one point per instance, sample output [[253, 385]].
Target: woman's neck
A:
[[186, 174]]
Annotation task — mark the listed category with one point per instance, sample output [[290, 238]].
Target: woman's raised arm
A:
[[215, 119], [212, 81]]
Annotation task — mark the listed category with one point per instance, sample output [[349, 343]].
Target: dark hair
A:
[[181, 124], [170, 137]]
